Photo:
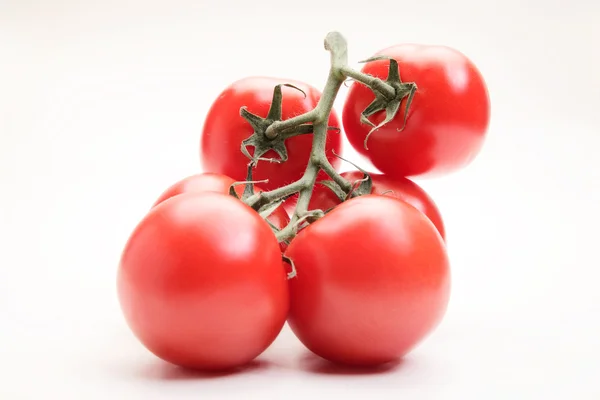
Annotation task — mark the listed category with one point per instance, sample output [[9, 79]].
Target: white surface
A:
[[101, 105]]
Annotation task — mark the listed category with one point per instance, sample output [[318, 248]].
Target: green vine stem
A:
[[339, 71]]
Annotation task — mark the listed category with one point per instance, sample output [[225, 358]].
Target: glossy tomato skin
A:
[[372, 281], [211, 182], [224, 130], [201, 282], [447, 121], [400, 188], [198, 183]]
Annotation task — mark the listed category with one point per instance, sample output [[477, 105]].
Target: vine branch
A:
[[339, 71]]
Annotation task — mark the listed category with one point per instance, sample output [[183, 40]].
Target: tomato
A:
[[401, 188], [447, 120], [210, 182], [201, 282], [224, 130], [372, 281], [198, 183]]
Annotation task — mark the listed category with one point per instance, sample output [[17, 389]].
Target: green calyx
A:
[[262, 139], [359, 187], [383, 102]]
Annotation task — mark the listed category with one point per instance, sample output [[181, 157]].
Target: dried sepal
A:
[[382, 102]]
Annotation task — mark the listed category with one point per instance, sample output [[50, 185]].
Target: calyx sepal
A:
[[261, 142], [391, 106], [359, 187]]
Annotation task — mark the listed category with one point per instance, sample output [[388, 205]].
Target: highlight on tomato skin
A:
[[201, 282], [198, 183], [447, 121], [373, 281], [401, 188], [224, 130], [213, 182]]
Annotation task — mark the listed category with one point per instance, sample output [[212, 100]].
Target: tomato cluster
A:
[[205, 283]]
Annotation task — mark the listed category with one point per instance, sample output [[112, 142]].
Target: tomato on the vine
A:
[[199, 183], [201, 282], [401, 188], [372, 281], [447, 120], [224, 130], [211, 182]]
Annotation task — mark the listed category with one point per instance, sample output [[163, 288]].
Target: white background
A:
[[101, 107]]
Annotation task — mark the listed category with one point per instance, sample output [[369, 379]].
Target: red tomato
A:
[[401, 188], [209, 182], [224, 130], [201, 282], [447, 121], [198, 183], [372, 281]]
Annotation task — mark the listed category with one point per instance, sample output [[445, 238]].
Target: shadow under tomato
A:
[[317, 365], [161, 370]]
